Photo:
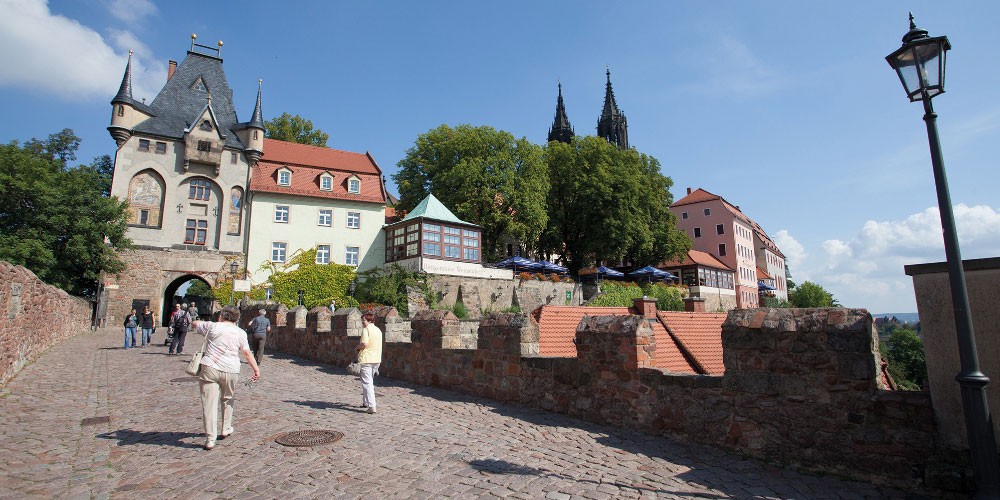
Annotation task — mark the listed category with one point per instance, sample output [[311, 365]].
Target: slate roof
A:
[[699, 334], [431, 208], [178, 104], [308, 163]]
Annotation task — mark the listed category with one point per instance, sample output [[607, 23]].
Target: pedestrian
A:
[[146, 322], [259, 327], [131, 321], [333, 306], [193, 312], [220, 371], [370, 357], [180, 321]]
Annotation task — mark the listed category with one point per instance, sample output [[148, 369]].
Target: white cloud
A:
[[794, 252], [131, 11], [734, 70], [867, 270], [52, 54]]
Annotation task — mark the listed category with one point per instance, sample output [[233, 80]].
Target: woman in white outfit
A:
[[220, 370]]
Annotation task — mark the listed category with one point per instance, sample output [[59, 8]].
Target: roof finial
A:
[[220, 48], [257, 118], [194, 36], [912, 24]]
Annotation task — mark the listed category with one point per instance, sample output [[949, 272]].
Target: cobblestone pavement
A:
[[423, 443]]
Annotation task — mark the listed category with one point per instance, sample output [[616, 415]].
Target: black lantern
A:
[[354, 283], [233, 267], [302, 294], [920, 63]]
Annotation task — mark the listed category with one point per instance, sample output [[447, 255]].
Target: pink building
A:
[[719, 228]]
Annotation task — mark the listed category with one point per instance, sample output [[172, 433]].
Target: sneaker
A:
[[209, 444], [226, 433], [371, 410]]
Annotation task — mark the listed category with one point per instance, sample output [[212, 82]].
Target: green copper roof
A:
[[431, 208]]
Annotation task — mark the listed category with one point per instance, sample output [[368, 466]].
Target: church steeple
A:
[[612, 126], [561, 130]]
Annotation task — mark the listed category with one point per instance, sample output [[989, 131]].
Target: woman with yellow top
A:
[[370, 356]]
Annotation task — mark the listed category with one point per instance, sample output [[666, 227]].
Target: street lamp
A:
[[920, 64], [233, 267]]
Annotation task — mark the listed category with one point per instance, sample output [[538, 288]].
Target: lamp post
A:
[[233, 267], [920, 64]]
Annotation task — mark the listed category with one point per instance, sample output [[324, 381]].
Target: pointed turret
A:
[[125, 111], [561, 130], [252, 132], [124, 94], [612, 126]]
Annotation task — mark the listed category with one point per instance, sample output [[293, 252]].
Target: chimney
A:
[[694, 304], [646, 307], [689, 189], [172, 67]]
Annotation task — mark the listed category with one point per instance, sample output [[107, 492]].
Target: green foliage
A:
[[614, 294], [775, 302], [483, 175], [809, 294], [200, 289], [460, 311], [608, 204], [294, 128], [907, 362], [320, 283], [391, 286], [57, 220]]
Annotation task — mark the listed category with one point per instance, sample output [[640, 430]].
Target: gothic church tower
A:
[[561, 130], [612, 125]]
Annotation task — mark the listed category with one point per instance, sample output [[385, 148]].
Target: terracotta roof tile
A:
[[700, 335], [316, 156], [667, 355], [305, 182], [697, 196], [697, 257], [762, 275]]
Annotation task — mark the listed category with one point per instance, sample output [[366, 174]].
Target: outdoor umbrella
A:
[[651, 273], [764, 286], [551, 268], [516, 262], [611, 273]]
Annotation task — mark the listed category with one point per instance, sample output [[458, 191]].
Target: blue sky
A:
[[785, 108]]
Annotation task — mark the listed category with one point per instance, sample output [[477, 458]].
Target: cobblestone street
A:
[[423, 443]]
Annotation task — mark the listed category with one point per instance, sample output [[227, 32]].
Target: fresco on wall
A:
[[145, 196], [235, 210]]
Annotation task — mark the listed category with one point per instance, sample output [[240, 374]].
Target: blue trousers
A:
[[129, 336], [147, 336]]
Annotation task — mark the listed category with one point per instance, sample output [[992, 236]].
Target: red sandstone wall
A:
[[36, 316], [801, 385]]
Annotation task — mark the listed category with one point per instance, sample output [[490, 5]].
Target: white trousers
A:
[[217, 388], [368, 371]]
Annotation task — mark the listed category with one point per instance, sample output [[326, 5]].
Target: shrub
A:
[[614, 294], [391, 287], [461, 312]]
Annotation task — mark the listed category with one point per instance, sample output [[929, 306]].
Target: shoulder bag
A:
[[194, 366], [355, 367]]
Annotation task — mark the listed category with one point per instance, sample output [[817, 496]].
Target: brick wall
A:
[[802, 386], [36, 316]]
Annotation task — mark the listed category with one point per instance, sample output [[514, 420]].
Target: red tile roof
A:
[[700, 195], [699, 335], [762, 275], [697, 257], [308, 163], [697, 196]]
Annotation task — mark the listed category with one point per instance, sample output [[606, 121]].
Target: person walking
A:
[[180, 321], [131, 321], [259, 328], [146, 323], [220, 371], [370, 357], [193, 312]]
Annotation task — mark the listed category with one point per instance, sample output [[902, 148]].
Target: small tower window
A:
[[206, 125], [204, 146], [161, 148], [233, 157], [121, 110], [144, 145], [255, 135]]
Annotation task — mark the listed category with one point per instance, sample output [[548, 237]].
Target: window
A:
[[205, 146], [719, 229], [281, 213], [452, 252], [354, 186], [143, 217], [121, 110], [354, 220], [351, 256], [471, 254], [255, 137], [326, 183], [323, 254], [684, 215], [432, 249], [708, 211], [722, 250], [196, 232], [284, 178], [278, 251], [144, 145], [325, 216], [200, 189], [233, 156], [161, 148], [697, 232], [206, 125]]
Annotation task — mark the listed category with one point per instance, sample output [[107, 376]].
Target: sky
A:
[[786, 109]]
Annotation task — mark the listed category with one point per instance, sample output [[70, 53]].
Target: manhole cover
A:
[[308, 438], [96, 420], [184, 379]]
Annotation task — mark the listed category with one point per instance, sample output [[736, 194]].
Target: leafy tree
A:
[[485, 176], [775, 302], [392, 286], [809, 294], [200, 289], [907, 362], [608, 204], [320, 283], [57, 220], [294, 128]]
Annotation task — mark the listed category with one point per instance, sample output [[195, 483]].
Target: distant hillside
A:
[[904, 317]]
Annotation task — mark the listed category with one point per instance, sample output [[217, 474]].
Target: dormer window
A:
[[206, 126], [326, 182], [284, 177], [354, 185]]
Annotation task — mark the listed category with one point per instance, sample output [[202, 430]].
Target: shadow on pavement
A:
[[127, 437], [326, 405]]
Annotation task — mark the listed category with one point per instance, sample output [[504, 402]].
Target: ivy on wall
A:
[[319, 283]]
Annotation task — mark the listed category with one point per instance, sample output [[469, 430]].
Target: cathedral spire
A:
[[125, 91], [612, 125], [561, 130]]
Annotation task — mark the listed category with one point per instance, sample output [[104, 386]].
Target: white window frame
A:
[[348, 254], [284, 177], [279, 210], [326, 182], [279, 249], [354, 185], [354, 220], [329, 213], [322, 254]]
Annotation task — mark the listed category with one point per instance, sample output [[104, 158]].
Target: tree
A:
[[57, 221], [907, 362], [608, 204], [294, 128], [809, 294], [200, 289], [485, 176]]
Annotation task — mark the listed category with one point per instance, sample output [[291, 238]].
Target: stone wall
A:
[[494, 295], [802, 386], [36, 316]]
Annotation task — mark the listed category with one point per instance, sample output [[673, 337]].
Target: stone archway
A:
[[170, 297]]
